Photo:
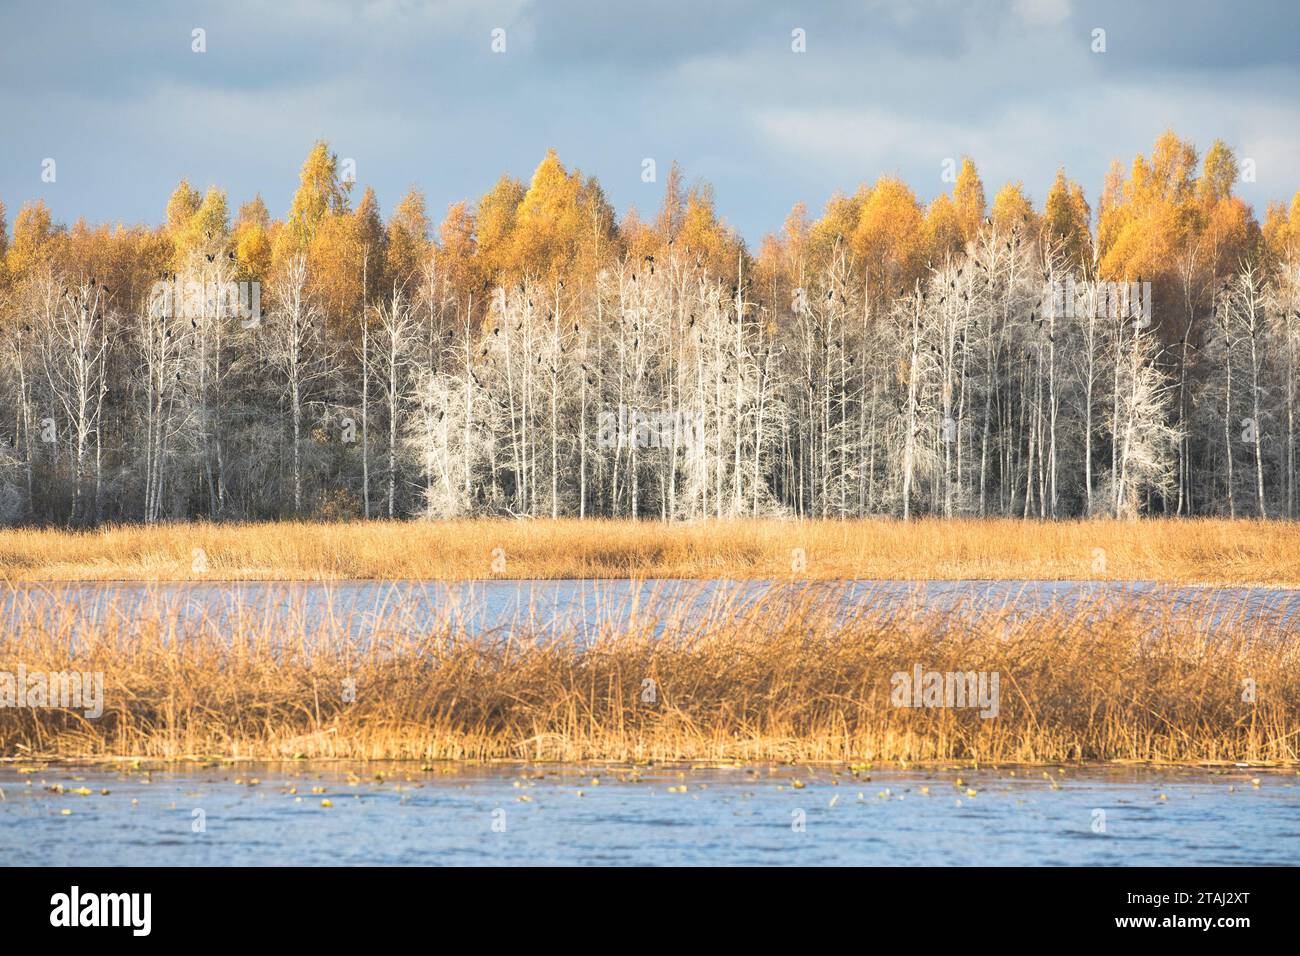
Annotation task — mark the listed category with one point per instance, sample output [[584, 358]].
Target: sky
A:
[[414, 94]]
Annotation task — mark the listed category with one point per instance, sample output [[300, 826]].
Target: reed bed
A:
[[794, 674], [1204, 551]]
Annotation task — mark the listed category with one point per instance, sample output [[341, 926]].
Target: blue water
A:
[[474, 814], [585, 606]]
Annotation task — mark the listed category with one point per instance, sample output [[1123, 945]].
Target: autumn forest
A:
[[536, 354]]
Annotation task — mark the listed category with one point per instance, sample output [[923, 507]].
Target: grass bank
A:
[[1174, 551], [792, 678]]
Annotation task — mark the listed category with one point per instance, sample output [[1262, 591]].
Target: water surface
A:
[[585, 606], [616, 815]]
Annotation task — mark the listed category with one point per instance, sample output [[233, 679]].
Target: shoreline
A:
[[1151, 583], [143, 763], [1205, 552]]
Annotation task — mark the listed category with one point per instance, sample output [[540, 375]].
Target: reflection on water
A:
[[584, 606], [395, 813]]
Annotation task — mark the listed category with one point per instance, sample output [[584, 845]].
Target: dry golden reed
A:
[[799, 674], [1208, 551]]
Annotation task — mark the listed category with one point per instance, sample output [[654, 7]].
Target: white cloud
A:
[[1043, 12]]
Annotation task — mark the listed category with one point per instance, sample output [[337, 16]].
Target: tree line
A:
[[536, 355]]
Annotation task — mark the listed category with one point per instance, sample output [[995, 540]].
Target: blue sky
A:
[[413, 93]]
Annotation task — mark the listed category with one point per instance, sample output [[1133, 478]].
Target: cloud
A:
[[1043, 12], [414, 94]]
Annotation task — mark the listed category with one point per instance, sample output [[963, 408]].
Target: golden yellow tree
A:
[[455, 254], [35, 239], [320, 191], [837, 224], [251, 237], [1012, 210], [4, 244], [1145, 230], [711, 241], [890, 237], [1067, 220], [1281, 231], [496, 227], [968, 199], [549, 221], [335, 262], [373, 242], [209, 227], [944, 232], [408, 242]]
